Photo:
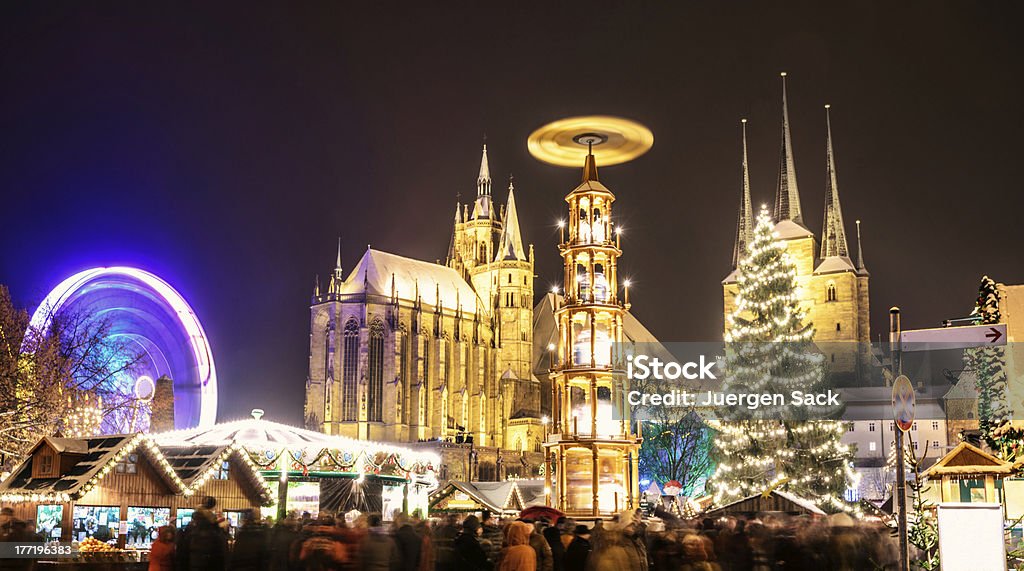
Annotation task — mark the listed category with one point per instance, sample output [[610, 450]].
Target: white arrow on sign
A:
[[953, 337]]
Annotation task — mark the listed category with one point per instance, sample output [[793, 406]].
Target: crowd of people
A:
[[483, 543]]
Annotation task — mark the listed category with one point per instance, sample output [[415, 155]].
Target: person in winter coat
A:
[[161, 554], [322, 551], [578, 552], [378, 551], [207, 543], [518, 555], [545, 559], [468, 554], [252, 547], [410, 544], [491, 537]]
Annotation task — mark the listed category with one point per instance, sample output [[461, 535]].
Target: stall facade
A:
[[499, 498], [121, 488], [968, 474], [772, 501], [312, 472]]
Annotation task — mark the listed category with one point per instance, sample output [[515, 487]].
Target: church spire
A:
[[483, 180], [745, 219], [787, 198], [511, 244], [833, 232], [336, 277], [860, 253]]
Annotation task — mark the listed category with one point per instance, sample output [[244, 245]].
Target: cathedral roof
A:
[[373, 275], [789, 230], [833, 264]]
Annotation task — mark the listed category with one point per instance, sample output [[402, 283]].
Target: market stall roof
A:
[[195, 465], [497, 497], [774, 501], [531, 491], [967, 460], [257, 435], [88, 461]]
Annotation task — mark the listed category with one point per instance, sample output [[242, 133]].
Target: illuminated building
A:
[[833, 288], [591, 449], [404, 350]]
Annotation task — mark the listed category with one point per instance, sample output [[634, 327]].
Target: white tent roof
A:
[[257, 435]]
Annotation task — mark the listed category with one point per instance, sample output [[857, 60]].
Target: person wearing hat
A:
[[469, 554], [578, 552]]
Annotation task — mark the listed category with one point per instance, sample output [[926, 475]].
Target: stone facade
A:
[[833, 289], [403, 350]]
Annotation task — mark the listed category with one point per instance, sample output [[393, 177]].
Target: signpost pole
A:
[[901, 477]]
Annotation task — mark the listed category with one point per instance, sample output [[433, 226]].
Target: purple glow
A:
[[148, 311]]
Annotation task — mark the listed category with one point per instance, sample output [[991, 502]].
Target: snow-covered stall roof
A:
[[497, 497], [90, 460], [184, 468]]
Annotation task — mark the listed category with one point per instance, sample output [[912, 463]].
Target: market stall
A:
[[771, 501], [499, 498], [111, 494], [312, 472], [968, 474]]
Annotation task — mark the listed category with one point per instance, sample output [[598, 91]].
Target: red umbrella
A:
[[537, 512]]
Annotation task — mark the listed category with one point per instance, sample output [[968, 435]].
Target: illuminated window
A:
[[872, 446], [350, 369], [375, 373], [403, 371], [127, 465]]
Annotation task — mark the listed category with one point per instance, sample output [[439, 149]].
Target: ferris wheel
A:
[[146, 314]]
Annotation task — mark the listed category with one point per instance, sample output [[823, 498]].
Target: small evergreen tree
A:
[[987, 365], [770, 350]]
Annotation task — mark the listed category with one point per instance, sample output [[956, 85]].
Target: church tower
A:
[[592, 450], [833, 289], [487, 249]]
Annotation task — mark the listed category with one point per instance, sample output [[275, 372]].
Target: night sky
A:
[[225, 148]]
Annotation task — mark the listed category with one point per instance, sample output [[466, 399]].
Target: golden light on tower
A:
[[590, 448]]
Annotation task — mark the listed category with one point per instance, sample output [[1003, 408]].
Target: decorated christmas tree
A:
[[770, 350], [987, 365]]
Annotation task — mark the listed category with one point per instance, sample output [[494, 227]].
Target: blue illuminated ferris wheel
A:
[[157, 323]]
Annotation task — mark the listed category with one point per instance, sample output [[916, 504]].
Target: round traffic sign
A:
[[903, 402]]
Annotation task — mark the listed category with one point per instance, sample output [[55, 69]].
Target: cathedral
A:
[[404, 350], [833, 287]]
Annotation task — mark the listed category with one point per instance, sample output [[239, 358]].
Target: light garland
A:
[[770, 349], [148, 446]]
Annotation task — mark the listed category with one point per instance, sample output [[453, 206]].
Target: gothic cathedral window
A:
[[350, 368], [830, 292], [375, 372]]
